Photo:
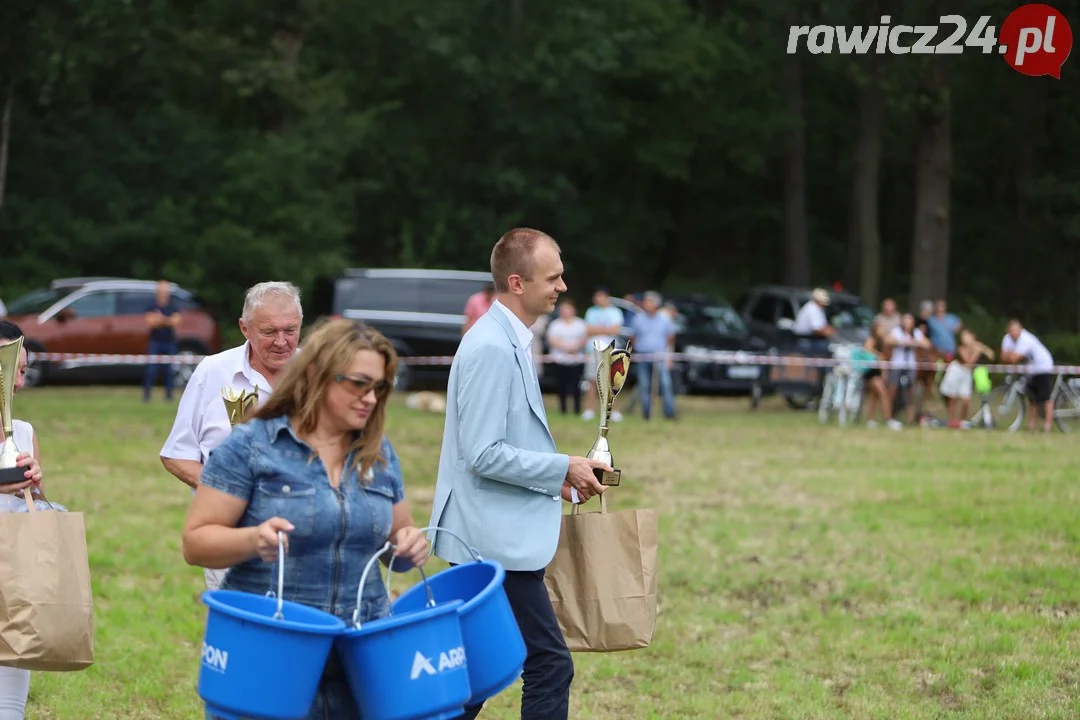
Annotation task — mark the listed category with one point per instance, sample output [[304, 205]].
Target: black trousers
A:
[[549, 669], [569, 382]]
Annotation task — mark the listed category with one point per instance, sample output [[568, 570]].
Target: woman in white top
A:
[[566, 336], [14, 682], [904, 340]]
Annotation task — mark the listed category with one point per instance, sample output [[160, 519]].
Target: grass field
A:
[[806, 572]]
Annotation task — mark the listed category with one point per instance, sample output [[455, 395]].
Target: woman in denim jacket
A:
[[312, 462]]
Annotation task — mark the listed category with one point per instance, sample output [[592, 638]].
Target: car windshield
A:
[[846, 314], [38, 301], [717, 318]]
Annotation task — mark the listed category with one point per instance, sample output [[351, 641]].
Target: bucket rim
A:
[[211, 599], [392, 622], [469, 605]]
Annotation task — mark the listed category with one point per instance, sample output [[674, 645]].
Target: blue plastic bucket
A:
[[493, 641], [407, 666], [263, 657]]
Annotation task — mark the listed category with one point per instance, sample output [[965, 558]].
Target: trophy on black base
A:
[[10, 472], [612, 367]]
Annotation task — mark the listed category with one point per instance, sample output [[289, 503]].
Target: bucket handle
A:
[[390, 568], [280, 577]]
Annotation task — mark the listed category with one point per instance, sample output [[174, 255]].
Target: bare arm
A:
[[174, 320], [154, 318], [211, 538], [402, 519], [188, 471]]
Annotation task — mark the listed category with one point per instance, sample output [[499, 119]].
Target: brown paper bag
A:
[[602, 580], [46, 604]]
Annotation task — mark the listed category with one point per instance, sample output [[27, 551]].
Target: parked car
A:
[[104, 315], [707, 325], [770, 312], [420, 311]]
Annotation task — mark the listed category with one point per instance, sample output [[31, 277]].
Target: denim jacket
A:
[[264, 463]]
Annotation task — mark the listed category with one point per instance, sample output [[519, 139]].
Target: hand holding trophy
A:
[[612, 368], [238, 402]]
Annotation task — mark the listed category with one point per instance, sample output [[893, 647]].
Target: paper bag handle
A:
[[30, 506], [603, 505]]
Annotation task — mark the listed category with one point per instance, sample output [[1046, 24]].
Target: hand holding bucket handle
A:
[[390, 570], [280, 577]]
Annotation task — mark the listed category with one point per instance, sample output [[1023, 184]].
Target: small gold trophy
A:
[[10, 472], [612, 368], [238, 402]]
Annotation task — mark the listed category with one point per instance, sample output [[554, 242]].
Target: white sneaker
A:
[[895, 425], [588, 415], [616, 416]]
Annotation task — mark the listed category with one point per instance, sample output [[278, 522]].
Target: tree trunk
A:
[[796, 250], [930, 245], [5, 141], [1031, 124], [864, 243]]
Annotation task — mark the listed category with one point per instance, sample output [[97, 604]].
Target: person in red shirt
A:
[[478, 304]]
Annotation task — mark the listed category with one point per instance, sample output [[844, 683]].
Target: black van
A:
[[420, 311]]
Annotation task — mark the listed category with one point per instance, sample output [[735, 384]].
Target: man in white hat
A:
[[811, 321]]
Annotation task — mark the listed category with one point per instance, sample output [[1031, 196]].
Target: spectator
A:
[[958, 381], [940, 328], [878, 342], [889, 317], [478, 304], [566, 335], [654, 334], [603, 321], [162, 317], [270, 323], [905, 340], [812, 327], [1021, 346]]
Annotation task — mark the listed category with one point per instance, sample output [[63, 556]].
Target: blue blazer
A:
[[500, 476]]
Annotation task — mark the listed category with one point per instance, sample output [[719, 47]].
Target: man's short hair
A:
[[513, 255], [260, 293]]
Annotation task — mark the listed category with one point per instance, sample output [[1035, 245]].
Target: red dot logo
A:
[[1035, 40]]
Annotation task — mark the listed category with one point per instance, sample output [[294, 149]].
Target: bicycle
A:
[[1008, 403], [1066, 403], [842, 391]]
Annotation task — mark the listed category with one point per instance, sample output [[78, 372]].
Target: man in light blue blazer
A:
[[501, 477]]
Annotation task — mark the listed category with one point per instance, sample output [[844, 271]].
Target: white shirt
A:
[[810, 319], [1039, 360], [904, 355], [523, 332], [201, 421], [568, 331]]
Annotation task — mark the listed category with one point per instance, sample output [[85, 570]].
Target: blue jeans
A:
[[667, 394], [159, 347]]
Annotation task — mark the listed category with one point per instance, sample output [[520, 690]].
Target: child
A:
[[957, 383]]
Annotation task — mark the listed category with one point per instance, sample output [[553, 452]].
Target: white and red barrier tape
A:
[[703, 358]]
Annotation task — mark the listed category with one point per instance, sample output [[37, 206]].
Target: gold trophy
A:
[[238, 403], [10, 472], [612, 368]]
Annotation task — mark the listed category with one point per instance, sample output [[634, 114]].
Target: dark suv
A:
[[105, 315], [420, 311], [770, 312]]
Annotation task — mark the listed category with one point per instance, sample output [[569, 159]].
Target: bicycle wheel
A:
[[1067, 411], [1007, 408], [825, 405]]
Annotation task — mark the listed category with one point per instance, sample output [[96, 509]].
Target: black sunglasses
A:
[[363, 385]]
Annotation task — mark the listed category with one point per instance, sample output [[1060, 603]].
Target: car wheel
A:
[[36, 370], [183, 371], [798, 401]]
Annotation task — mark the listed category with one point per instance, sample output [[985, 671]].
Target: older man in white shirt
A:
[[270, 322]]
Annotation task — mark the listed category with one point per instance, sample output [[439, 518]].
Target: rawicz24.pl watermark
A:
[[1035, 39]]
